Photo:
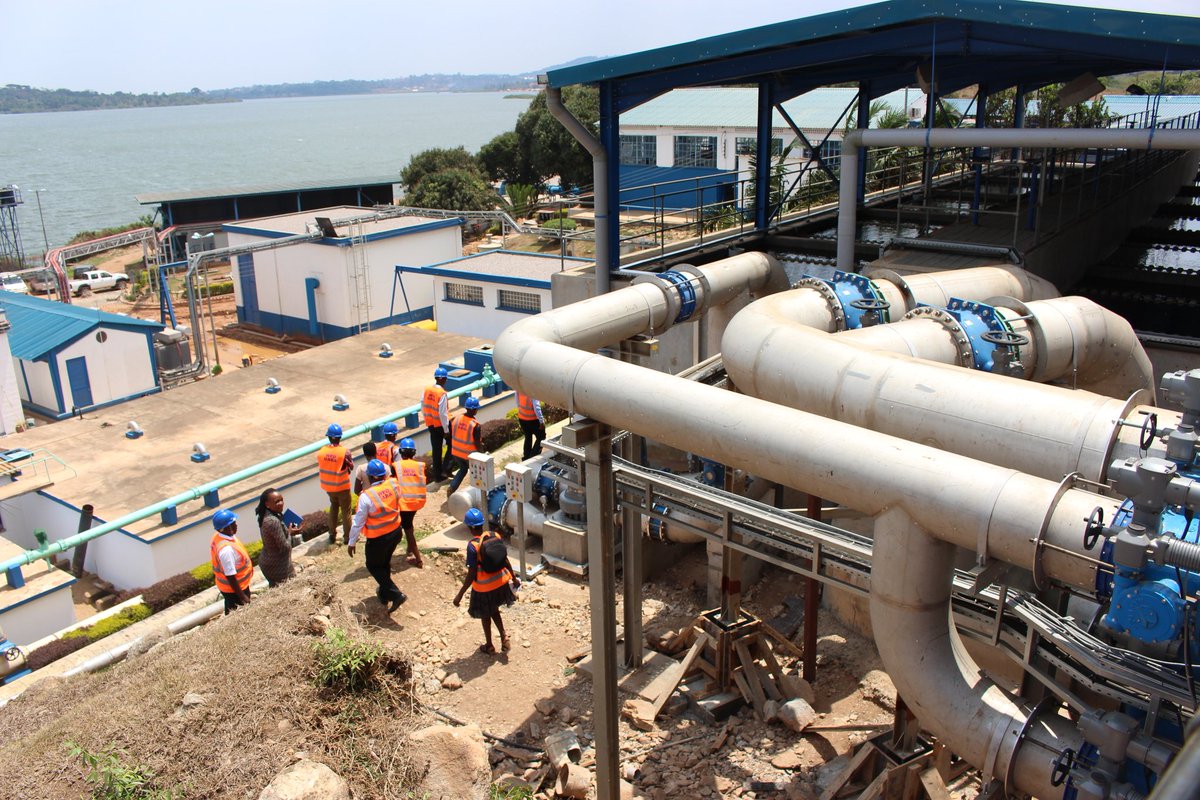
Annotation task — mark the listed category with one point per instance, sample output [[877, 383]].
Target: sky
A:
[[165, 46]]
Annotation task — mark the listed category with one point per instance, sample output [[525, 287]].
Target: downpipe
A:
[[910, 599], [600, 189]]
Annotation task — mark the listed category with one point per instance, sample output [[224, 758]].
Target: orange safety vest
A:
[[463, 441], [412, 484], [487, 581], [429, 406], [525, 407], [245, 567], [386, 452], [384, 516], [331, 461]]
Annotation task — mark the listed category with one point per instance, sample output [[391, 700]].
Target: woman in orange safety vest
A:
[[490, 591]]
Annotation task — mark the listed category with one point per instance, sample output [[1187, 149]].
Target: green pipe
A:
[[29, 556]]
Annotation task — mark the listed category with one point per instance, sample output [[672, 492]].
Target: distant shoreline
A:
[[18, 99]]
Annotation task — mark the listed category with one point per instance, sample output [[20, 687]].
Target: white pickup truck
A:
[[95, 280]]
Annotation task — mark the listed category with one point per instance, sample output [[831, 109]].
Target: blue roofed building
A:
[[68, 358]]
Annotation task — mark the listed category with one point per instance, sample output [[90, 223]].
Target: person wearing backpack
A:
[[491, 579]]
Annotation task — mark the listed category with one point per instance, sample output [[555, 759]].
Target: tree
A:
[[548, 147], [503, 160], [453, 189], [438, 159]]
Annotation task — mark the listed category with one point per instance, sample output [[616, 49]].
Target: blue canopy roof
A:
[[963, 42], [41, 326]]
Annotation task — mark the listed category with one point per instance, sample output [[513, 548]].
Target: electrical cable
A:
[[491, 737], [1187, 635]]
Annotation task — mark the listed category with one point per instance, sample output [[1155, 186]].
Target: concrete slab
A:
[[238, 423]]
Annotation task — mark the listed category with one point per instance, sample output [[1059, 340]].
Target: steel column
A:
[[762, 147], [631, 573], [812, 604], [863, 120], [602, 584]]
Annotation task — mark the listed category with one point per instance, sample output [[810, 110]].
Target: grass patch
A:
[[112, 779]]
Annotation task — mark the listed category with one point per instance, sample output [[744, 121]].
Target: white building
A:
[[12, 418], [480, 295], [338, 285], [70, 358], [711, 127]]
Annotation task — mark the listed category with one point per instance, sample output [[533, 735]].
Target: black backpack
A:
[[493, 554]]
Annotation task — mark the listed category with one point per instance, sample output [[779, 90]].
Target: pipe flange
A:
[[897, 280], [670, 295], [700, 284], [1064, 486], [829, 296], [950, 324], [1035, 329], [1048, 703]]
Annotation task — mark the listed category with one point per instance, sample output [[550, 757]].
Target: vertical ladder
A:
[[360, 274]]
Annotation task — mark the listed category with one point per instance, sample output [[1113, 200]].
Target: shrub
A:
[[495, 433], [170, 591], [112, 779], [553, 414], [110, 625], [346, 664], [53, 651], [558, 225], [314, 524], [215, 289]]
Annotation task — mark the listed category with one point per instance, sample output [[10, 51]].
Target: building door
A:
[[249, 288], [81, 386]]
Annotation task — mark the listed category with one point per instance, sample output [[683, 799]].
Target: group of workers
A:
[[391, 488]]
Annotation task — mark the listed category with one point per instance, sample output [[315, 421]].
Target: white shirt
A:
[[227, 555], [365, 506], [444, 410]]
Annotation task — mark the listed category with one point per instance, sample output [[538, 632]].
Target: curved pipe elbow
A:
[[910, 599]]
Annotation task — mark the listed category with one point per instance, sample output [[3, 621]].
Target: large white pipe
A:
[[911, 581], [1034, 428], [906, 292], [962, 502], [600, 190], [1139, 139], [1070, 340]]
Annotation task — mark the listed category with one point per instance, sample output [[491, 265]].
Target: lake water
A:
[[90, 164]]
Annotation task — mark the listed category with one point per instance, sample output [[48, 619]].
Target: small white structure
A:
[[70, 358], [340, 284], [480, 295], [12, 418], [712, 127]]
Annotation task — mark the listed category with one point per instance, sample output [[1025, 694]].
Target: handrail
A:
[[195, 493]]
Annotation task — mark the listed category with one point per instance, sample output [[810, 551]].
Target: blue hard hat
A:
[[473, 518], [390, 429], [408, 444], [441, 372], [376, 468], [334, 431], [223, 519], [472, 403]]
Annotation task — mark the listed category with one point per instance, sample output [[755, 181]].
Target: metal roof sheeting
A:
[[219, 192], [967, 41], [41, 326], [737, 107]]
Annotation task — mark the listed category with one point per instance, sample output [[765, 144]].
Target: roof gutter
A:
[[600, 177]]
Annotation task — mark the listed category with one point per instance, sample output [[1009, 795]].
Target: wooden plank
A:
[[875, 788], [773, 667], [740, 681], [786, 644], [750, 671], [677, 672], [865, 754], [934, 786], [705, 666], [764, 679]]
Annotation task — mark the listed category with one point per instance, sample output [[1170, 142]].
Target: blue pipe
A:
[[310, 293]]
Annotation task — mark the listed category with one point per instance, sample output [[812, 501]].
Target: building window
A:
[[525, 302], [695, 151], [464, 293], [747, 145], [831, 150], [641, 150]]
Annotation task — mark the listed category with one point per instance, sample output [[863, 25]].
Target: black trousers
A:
[[232, 601], [534, 430], [379, 563], [437, 440]]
